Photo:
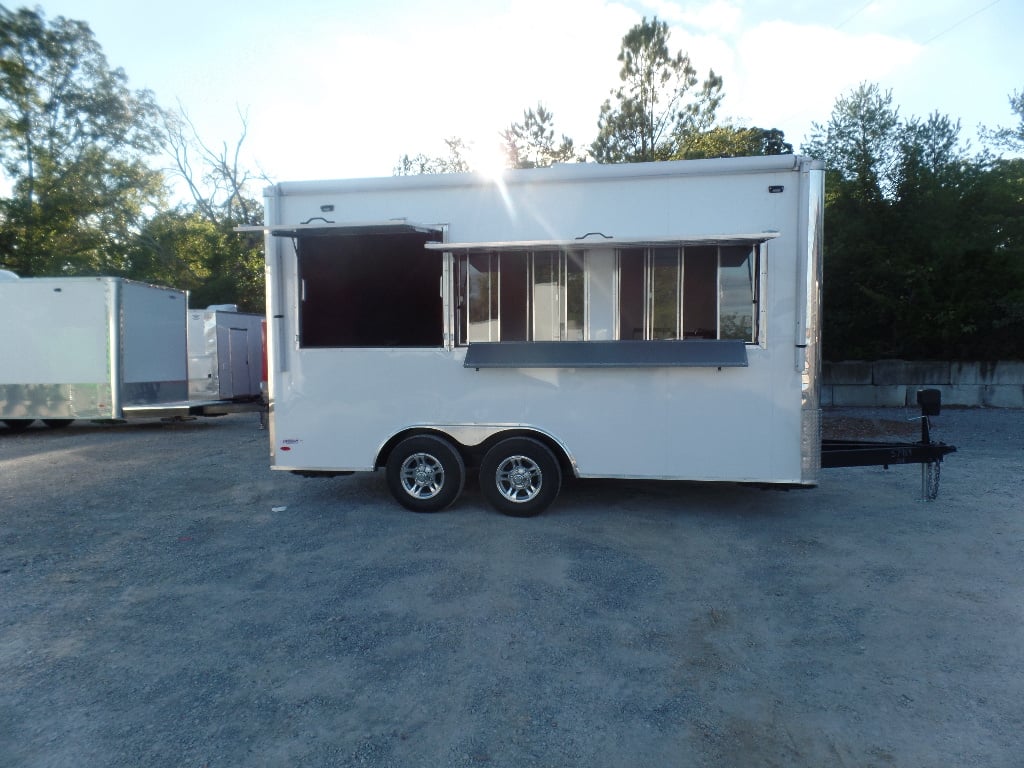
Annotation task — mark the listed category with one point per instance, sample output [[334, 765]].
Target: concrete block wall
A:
[[895, 383]]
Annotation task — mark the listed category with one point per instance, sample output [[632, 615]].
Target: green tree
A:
[[219, 183], [731, 141], [182, 248], [1011, 139], [650, 114], [196, 247], [939, 255], [860, 142], [917, 260], [858, 145], [455, 162], [74, 144], [1003, 217], [531, 143], [176, 248]]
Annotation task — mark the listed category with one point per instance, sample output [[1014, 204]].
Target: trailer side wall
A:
[[334, 408]]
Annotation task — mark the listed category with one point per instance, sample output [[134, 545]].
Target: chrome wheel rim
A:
[[519, 479], [422, 476]]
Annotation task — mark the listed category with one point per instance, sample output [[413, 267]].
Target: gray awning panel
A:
[[323, 228], [723, 353], [589, 242]]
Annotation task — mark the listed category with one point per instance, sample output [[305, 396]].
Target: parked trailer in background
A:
[[654, 320], [225, 354], [97, 348], [88, 348]]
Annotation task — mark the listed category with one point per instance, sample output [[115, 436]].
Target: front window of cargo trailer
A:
[[664, 293], [369, 290], [697, 292], [736, 293], [557, 296], [575, 297], [700, 305], [692, 292], [482, 297], [520, 296], [632, 294]]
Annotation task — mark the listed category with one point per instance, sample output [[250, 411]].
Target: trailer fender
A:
[[474, 440]]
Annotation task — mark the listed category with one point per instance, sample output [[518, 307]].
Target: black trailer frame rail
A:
[[868, 453]]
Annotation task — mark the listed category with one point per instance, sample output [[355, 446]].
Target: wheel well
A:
[[385, 450], [553, 445], [472, 454]]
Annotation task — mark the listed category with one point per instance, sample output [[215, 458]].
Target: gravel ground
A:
[[167, 600]]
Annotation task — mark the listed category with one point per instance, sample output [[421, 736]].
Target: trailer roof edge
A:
[[561, 172]]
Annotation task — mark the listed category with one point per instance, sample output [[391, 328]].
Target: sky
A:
[[343, 89]]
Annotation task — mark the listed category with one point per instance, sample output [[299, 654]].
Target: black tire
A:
[[425, 473], [57, 423], [18, 425], [520, 477]]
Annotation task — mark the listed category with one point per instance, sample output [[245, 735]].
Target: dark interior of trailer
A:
[[370, 290]]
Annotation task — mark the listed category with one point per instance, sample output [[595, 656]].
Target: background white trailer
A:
[[654, 320], [225, 354], [88, 347]]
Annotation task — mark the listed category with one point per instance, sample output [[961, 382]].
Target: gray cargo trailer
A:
[[225, 353]]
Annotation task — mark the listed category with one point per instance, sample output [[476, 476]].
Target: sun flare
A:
[[488, 158]]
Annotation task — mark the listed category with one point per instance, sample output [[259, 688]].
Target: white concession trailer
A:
[[650, 320]]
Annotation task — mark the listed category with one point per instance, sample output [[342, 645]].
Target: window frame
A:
[[650, 254], [564, 261], [324, 255]]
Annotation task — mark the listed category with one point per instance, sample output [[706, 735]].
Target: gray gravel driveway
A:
[[167, 600]]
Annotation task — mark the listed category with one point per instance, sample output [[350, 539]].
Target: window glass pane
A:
[[736, 293], [700, 305], [461, 267], [518, 296], [574, 297], [515, 313], [482, 298], [665, 293], [631, 293], [546, 313]]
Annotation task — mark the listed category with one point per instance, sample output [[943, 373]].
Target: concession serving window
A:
[[368, 285], [527, 303]]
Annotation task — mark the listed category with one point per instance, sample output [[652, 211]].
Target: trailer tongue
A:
[[872, 453]]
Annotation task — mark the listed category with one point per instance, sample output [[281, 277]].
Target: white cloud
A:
[[718, 16], [788, 75], [340, 89], [665, 10], [363, 100], [349, 102]]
